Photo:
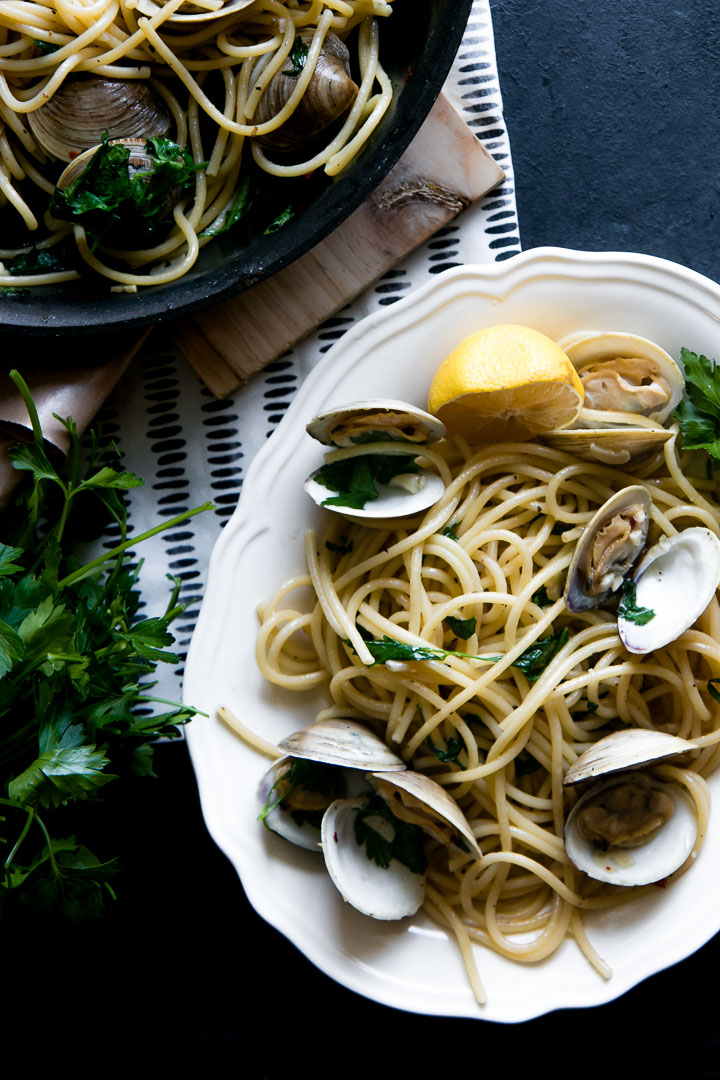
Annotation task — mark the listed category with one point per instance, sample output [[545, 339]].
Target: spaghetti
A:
[[494, 554], [213, 74]]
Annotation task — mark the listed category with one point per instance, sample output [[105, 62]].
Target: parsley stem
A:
[[89, 568], [29, 405], [21, 837]]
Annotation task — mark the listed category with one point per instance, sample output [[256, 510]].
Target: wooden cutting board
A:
[[444, 169]]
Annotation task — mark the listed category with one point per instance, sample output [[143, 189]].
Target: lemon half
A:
[[506, 383]]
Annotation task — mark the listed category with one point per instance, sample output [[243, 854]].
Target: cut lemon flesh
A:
[[506, 382]]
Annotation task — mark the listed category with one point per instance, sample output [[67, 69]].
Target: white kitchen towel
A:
[[191, 448]]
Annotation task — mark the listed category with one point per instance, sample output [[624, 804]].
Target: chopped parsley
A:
[[297, 58], [537, 657], [449, 530], [628, 608], [405, 845], [110, 200], [451, 751], [356, 478], [541, 598], [461, 628], [343, 548]]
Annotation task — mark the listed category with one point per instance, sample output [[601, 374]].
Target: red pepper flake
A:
[[409, 74], [335, 837]]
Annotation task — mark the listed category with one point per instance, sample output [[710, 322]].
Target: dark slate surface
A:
[[612, 112]]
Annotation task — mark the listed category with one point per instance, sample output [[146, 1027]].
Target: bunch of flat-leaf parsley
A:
[[76, 704]]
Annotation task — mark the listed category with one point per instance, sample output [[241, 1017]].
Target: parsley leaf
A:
[[541, 597], [451, 751], [449, 530], [628, 608], [297, 58], [699, 411], [461, 628], [399, 840], [75, 702], [536, 658]]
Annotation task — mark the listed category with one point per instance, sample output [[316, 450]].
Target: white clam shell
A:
[[676, 579], [388, 412], [652, 861], [342, 742], [393, 501], [385, 894], [577, 596], [626, 749], [436, 802]]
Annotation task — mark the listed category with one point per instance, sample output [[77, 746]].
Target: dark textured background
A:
[[612, 114]]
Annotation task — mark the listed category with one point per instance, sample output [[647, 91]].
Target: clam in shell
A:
[[375, 420], [630, 828], [329, 93], [395, 890], [84, 107], [380, 426], [631, 388], [676, 580], [610, 545], [624, 373], [346, 752]]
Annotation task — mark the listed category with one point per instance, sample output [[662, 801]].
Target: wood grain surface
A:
[[444, 170]]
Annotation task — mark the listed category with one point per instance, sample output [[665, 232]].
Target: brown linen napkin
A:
[[66, 376]]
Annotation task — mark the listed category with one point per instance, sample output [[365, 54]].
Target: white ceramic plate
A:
[[411, 964]]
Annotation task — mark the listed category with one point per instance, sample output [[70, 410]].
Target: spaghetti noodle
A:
[[213, 78], [494, 554]]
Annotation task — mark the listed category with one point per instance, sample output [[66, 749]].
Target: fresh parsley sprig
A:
[[698, 414], [77, 710]]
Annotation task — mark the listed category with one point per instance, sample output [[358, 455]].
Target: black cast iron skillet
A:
[[419, 43]]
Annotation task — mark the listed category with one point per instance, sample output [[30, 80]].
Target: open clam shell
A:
[[676, 580], [419, 800], [294, 813], [610, 545], [384, 893], [630, 828], [403, 491], [630, 748], [83, 108], [348, 753], [625, 373], [392, 891], [342, 742], [375, 420], [655, 859]]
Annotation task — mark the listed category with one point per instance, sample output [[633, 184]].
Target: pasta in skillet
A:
[[208, 98]]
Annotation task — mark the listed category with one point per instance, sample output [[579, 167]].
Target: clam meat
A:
[[378, 469], [630, 828], [673, 584], [608, 548]]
